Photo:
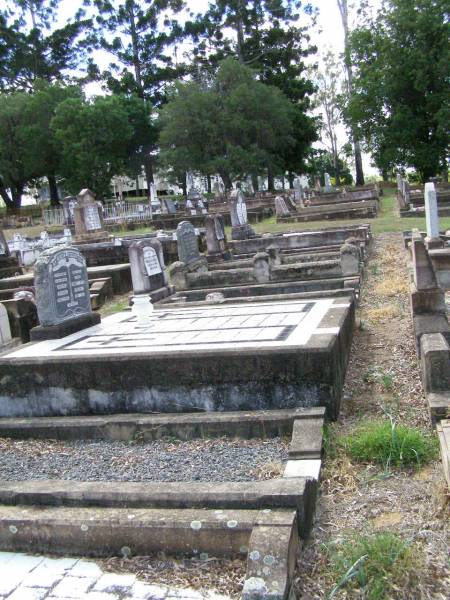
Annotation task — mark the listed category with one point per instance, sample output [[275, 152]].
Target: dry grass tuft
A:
[[391, 286], [269, 470], [383, 313]]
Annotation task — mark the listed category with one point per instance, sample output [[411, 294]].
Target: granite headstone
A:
[[188, 251]]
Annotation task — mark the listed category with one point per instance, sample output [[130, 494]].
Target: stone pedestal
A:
[[242, 232], [53, 332]]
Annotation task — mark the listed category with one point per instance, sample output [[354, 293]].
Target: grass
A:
[[114, 306], [378, 564], [388, 220], [388, 444]]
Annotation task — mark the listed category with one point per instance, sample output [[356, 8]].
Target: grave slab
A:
[[254, 356]]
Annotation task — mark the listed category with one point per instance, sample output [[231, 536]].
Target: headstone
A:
[[62, 293], [328, 186], [431, 212], [216, 241], [4, 250], [241, 230], [281, 208], [168, 206], [188, 251], [5, 329], [69, 203], [298, 192], [190, 208], [88, 219], [147, 266]]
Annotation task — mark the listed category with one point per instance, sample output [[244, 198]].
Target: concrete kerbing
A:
[[443, 430], [306, 439], [298, 469], [438, 406], [298, 494], [271, 560], [435, 362], [185, 426]]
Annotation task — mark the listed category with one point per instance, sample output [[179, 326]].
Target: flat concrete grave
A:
[[257, 356]]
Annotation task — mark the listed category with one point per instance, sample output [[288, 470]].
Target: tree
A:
[[94, 137], [15, 169], [265, 35], [321, 162], [328, 98], [400, 100], [140, 37], [232, 125], [343, 9], [32, 48]]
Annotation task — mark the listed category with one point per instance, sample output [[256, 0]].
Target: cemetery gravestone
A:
[[168, 206], [9, 265], [62, 294], [188, 252], [190, 208], [88, 220], [298, 192], [4, 250], [240, 229], [147, 266], [328, 186], [281, 209], [5, 329], [216, 241], [432, 217]]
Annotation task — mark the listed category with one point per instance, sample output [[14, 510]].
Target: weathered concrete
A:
[[435, 362], [306, 439], [438, 406], [125, 427], [107, 531], [443, 430], [271, 559], [298, 493]]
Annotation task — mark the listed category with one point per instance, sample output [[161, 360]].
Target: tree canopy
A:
[[233, 125], [400, 101]]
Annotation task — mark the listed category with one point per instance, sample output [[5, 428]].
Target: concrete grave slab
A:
[[260, 355]]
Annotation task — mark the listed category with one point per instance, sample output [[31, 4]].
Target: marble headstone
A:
[[431, 214], [281, 208], [216, 242], [62, 287], [328, 186], [4, 250], [188, 251], [88, 218], [241, 230], [147, 266], [5, 329]]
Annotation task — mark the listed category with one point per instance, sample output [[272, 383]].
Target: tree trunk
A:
[[343, 8], [16, 194], [270, 180], [148, 169], [255, 183], [208, 183], [53, 188], [358, 162], [291, 180], [226, 180]]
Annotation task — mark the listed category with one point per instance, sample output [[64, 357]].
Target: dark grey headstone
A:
[[187, 243], [62, 288]]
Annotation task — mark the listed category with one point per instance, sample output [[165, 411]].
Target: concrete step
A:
[[140, 531], [296, 493], [148, 427]]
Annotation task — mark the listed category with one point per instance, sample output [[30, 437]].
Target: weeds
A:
[[377, 563], [388, 444]]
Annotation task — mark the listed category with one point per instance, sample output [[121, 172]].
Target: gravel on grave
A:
[[163, 460]]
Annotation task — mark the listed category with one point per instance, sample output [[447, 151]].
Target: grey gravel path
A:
[[197, 460]]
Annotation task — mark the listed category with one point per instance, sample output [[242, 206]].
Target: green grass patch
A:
[[389, 444], [113, 307], [376, 564]]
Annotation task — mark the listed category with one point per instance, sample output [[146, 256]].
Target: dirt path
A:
[[382, 379]]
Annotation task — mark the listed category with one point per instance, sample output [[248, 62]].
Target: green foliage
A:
[[378, 564], [389, 444], [321, 162], [33, 47], [400, 101], [234, 126], [94, 138]]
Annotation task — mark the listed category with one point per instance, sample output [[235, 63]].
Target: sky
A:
[[327, 36]]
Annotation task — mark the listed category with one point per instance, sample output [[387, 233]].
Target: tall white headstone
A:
[[327, 179], [431, 211]]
